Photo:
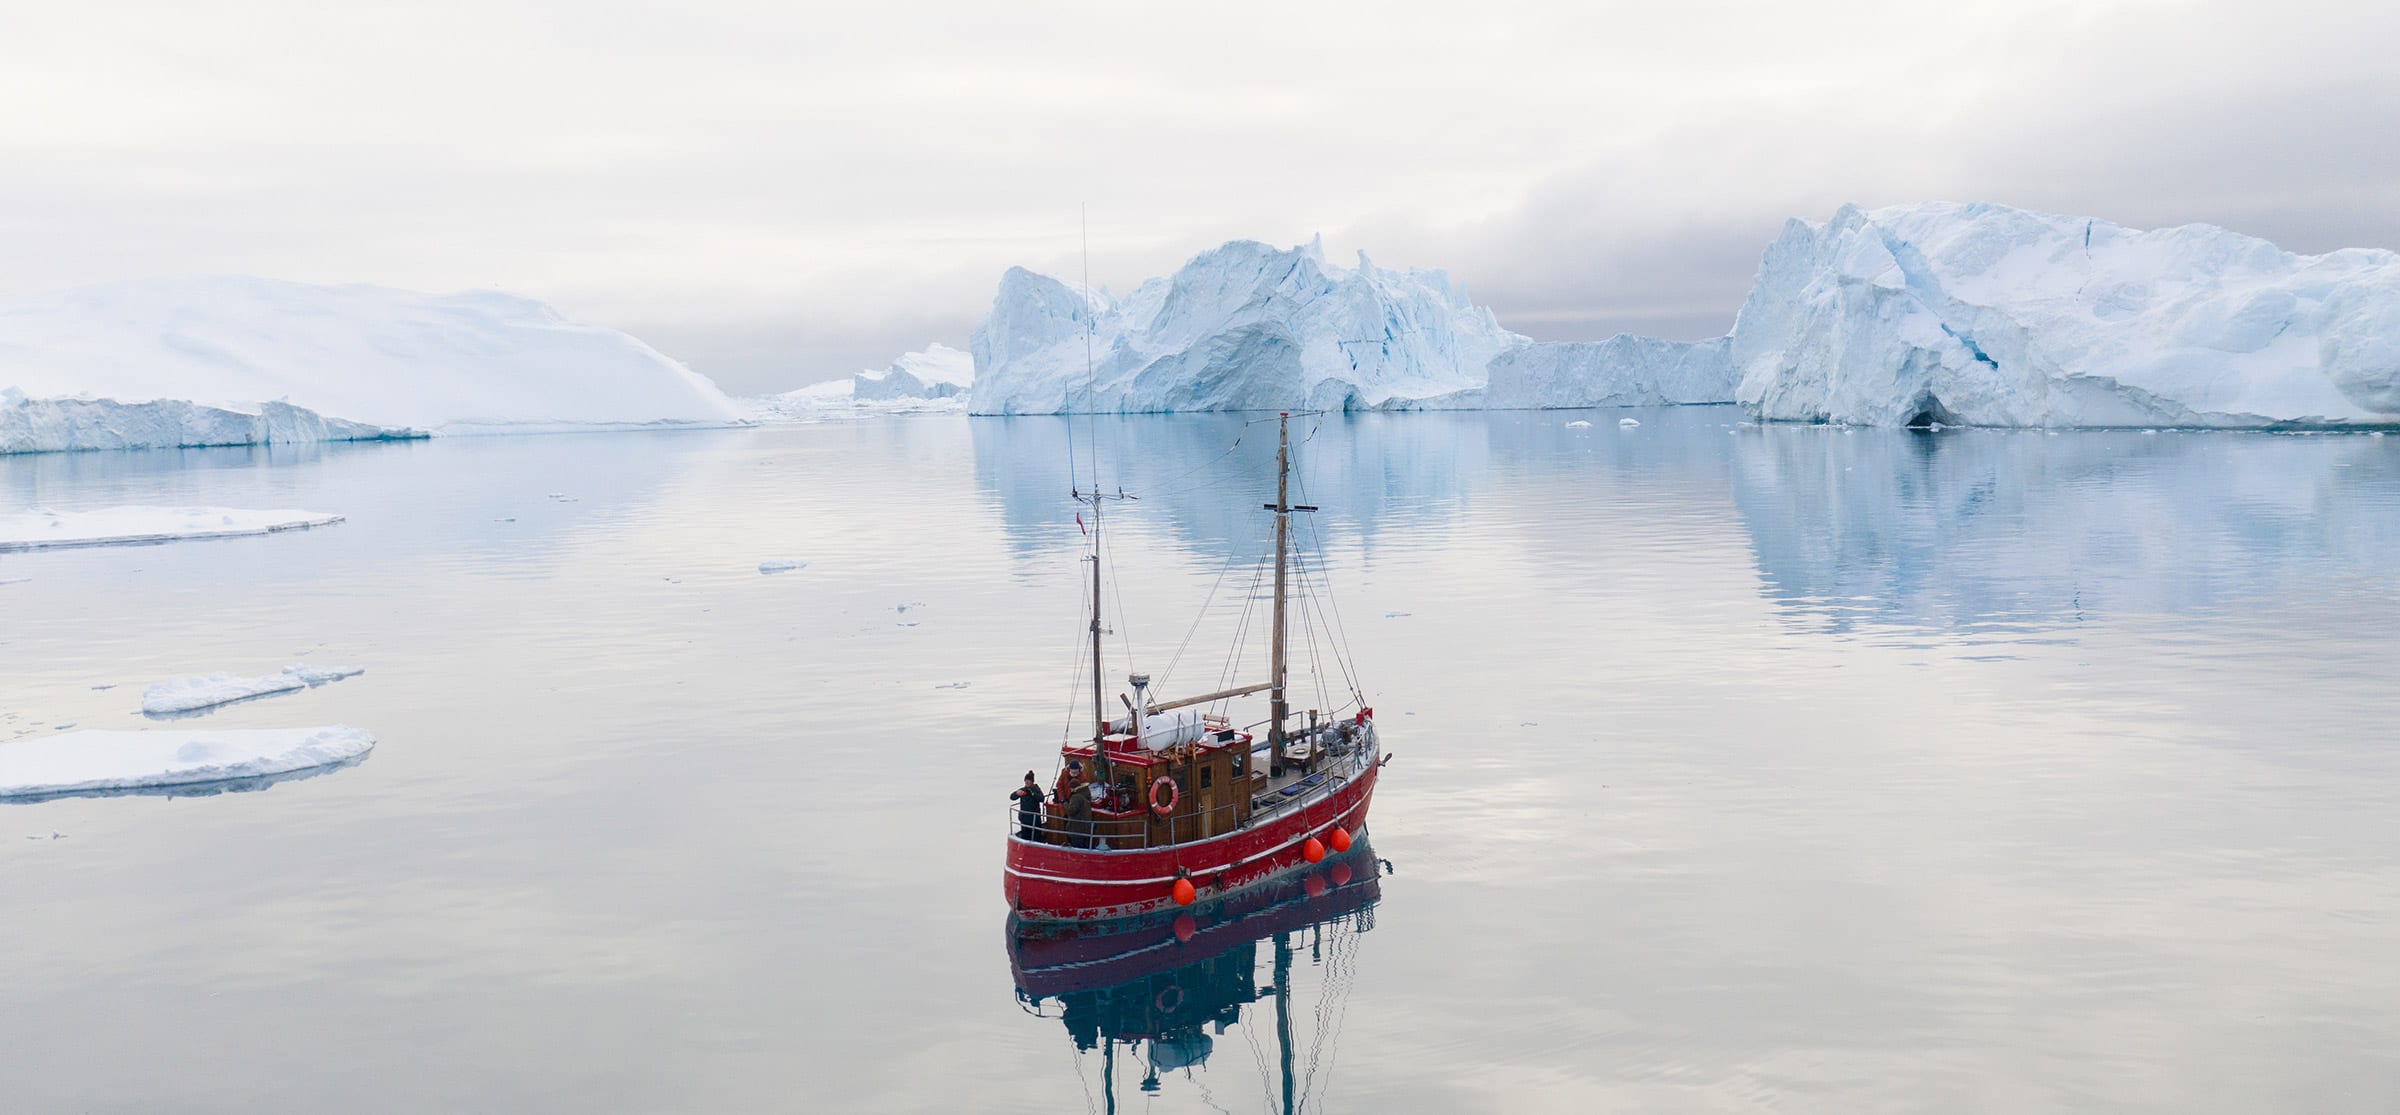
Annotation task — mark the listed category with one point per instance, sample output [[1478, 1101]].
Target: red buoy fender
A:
[[1174, 794], [1183, 892]]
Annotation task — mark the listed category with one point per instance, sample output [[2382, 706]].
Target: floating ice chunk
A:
[[22, 580], [43, 529], [953, 685], [1579, 424], [780, 566], [98, 762], [319, 675], [1395, 615], [1628, 423], [179, 695]]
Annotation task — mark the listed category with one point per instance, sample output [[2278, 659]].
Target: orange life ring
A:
[[1165, 1007], [1174, 794]]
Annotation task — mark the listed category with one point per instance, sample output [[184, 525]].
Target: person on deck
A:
[[1079, 814], [1068, 779], [1029, 806]]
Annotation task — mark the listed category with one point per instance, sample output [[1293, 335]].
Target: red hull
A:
[[1046, 882]]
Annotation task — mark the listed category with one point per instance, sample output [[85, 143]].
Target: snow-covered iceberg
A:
[[1241, 327], [44, 529], [101, 762], [63, 425], [360, 354], [1986, 315], [932, 381]]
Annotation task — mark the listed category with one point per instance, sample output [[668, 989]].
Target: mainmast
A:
[[1283, 508], [1281, 704], [1099, 704]]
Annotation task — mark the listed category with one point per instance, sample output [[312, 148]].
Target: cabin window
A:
[[1208, 777]]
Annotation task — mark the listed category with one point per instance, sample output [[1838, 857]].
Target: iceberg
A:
[[1976, 314], [43, 529], [1622, 371], [938, 372], [103, 762], [65, 425], [932, 381], [1241, 327], [373, 356]]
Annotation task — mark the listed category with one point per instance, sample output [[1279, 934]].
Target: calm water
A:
[[1737, 769]]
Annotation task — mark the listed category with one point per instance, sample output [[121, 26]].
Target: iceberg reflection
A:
[[2019, 530]]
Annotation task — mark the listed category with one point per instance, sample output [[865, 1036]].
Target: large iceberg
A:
[[1986, 315], [359, 354], [1241, 327]]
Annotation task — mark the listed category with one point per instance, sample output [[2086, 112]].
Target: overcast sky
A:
[[784, 192]]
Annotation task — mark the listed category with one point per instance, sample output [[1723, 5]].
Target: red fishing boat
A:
[[1178, 802]]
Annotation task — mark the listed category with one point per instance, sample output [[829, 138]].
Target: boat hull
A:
[[1050, 883]]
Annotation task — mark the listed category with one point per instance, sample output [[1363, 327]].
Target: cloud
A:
[[785, 193]]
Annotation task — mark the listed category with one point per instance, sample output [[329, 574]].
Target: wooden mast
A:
[[1281, 702], [1099, 706]]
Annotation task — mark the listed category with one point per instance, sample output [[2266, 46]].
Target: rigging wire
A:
[[1333, 602], [1205, 603]]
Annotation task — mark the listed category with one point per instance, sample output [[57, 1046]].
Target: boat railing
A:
[[1139, 828]]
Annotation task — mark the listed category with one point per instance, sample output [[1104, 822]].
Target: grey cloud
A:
[[782, 194]]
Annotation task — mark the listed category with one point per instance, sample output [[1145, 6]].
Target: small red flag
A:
[[1079, 523]]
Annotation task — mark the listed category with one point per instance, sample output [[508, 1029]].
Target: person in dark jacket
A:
[[1029, 806]]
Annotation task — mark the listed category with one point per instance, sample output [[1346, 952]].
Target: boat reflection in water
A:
[[1157, 991]]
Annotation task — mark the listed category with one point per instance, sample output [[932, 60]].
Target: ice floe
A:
[[43, 529], [102, 762], [320, 675], [191, 694], [179, 695], [779, 566]]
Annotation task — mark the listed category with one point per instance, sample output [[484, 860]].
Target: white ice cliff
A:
[[59, 425], [358, 354], [1622, 371], [1987, 315]]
